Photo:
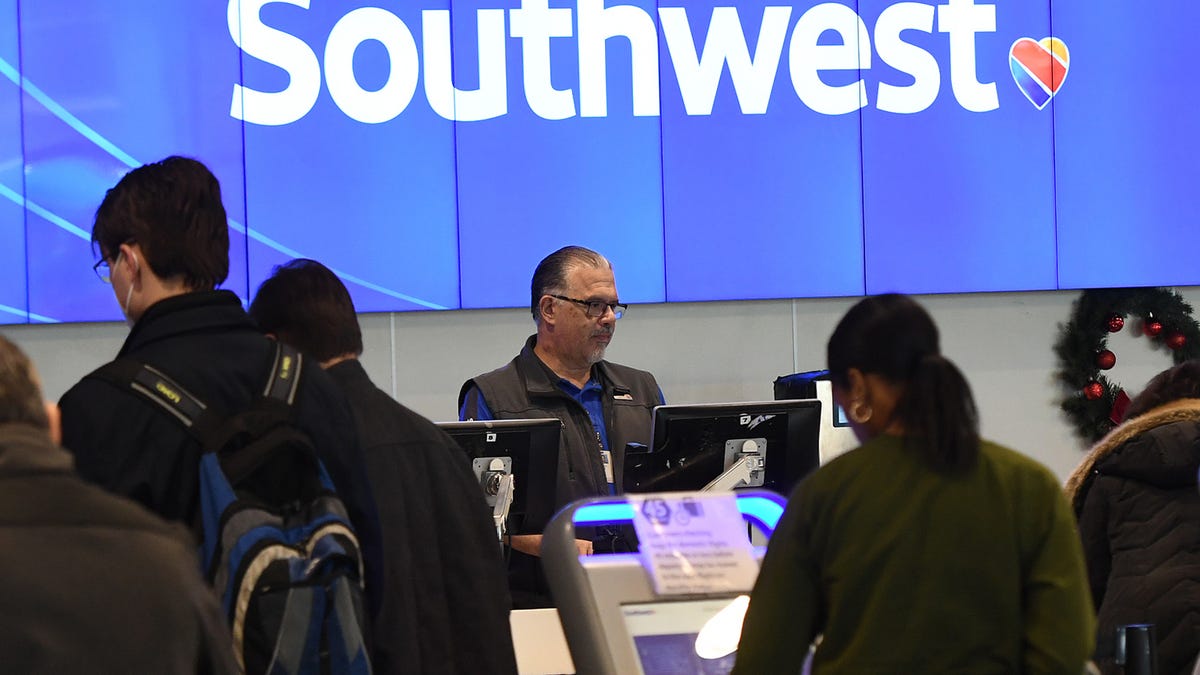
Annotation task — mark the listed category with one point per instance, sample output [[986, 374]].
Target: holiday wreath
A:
[[1094, 403]]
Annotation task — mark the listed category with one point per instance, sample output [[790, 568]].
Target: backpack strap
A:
[[284, 377], [271, 412], [202, 422], [160, 389]]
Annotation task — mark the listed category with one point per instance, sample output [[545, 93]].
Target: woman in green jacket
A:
[[925, 550]]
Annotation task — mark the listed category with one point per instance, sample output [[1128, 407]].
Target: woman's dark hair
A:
[[173, 210], [306, 305], [1172, 384], [894, 337]]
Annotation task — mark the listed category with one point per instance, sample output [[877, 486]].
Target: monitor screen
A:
[[683, 637], [839, 417], [695, 444], [526, 448]]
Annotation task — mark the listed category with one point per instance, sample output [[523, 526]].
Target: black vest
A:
[[527, 388]]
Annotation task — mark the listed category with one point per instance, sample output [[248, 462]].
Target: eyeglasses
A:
[[103, 270], [595, 308]]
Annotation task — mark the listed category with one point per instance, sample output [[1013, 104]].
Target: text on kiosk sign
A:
[[697, 64]]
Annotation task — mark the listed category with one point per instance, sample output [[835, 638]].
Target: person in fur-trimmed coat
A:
[[1136, 498]]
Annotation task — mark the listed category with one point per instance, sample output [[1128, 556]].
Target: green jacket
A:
[[904, 570]]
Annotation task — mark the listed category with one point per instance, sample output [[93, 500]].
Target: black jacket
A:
[[1139, 517], [207, 343], [446, 605], [92, 583]]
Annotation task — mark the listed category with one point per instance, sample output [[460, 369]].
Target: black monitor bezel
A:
[[535, 492], [781, 475]]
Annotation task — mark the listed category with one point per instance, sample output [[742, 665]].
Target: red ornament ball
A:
[[1115, 323], [1153, 328], [1176, 340], [1093, 390], [1105, 360]]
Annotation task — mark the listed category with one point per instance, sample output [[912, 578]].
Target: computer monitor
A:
[[527, 450], [771, 444]]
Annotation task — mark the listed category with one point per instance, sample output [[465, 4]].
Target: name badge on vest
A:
[[606, 459]]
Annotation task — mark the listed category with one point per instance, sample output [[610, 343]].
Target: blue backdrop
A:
[[431, 153]]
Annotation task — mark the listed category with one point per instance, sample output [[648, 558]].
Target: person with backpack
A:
[[163, 241], [89, 582], [446, 601]]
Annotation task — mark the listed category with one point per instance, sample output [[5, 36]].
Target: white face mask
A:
[[129, 294]]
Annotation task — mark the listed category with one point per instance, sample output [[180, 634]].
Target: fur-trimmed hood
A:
[[1174, 462]]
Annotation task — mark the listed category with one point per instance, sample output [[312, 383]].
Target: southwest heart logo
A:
[[1039, 67]]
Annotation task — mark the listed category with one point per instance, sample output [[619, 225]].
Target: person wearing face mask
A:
[[926, 549], [163, 240], [561, 372]]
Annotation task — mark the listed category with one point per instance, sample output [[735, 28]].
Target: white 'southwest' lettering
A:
[[698, 59]]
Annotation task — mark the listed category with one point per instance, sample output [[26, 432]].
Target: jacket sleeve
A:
[[783, 615], [1060, 625], [1093, 532], [81, 432]]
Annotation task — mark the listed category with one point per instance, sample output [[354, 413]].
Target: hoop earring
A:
[[858, 416]]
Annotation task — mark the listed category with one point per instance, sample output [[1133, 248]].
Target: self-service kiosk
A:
[[836, 435], [630, 614]]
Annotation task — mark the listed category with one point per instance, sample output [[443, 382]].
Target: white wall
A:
[[701, 352]]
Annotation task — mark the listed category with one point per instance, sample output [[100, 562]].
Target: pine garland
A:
[[1085, 335]]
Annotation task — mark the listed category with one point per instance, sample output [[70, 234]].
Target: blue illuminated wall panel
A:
[[529, 184], [758, 205], [112, 86], [959, 190], [13, 300], [1127, 144], [359, 173]]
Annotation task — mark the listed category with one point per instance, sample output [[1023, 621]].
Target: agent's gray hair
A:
[[550, 277]]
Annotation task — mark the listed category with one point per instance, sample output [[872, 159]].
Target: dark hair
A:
[[173, 210], [306, 305], [20, 397], [894, 337], [550, 277], [1172, 384]]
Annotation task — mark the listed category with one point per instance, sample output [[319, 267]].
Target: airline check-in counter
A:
[[676, 606]]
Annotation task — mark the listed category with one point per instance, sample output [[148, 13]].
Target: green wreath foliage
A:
[[1086, 334]]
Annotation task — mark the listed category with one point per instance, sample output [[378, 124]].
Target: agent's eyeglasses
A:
[[596, 308], [104, 270]]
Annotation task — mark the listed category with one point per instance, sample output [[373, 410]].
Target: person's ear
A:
[[54, 417], [131, 256], [547, 306], [856, 385]]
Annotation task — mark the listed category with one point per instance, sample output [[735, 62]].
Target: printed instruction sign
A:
[[694, 543]]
